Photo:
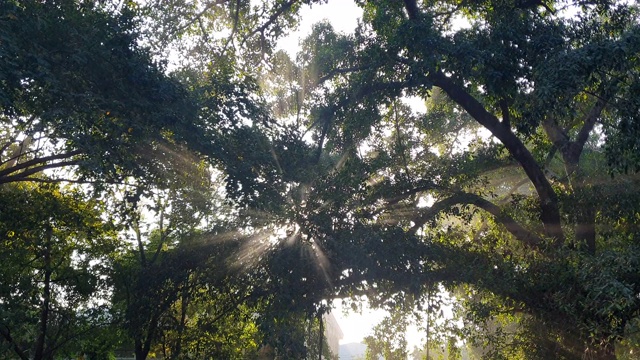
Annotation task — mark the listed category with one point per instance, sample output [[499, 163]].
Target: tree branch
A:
[[334, 72], [396, 199], [572, 150], [24, 176], [236, 21], [16, 348], [10, 162], [284, 8], [556, 134], [549, 210], [550, 213], [197, 17], [75, 181], [589, 123], [506, 118], [412, 9], [507, 221], [37, 161], [4, 147]]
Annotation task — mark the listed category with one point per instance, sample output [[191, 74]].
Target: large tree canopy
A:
[[535, 218], [515, 191], [79, 90]]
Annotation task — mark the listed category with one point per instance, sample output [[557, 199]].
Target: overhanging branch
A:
[[520, 233], [37, 161], [550, 213], [6, 334], [589, 123], [24, 176]]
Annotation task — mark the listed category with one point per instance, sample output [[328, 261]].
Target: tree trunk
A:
[[141, 350], [549, 209], [46, 298], [320, 342], [585, 226], [183, 322]]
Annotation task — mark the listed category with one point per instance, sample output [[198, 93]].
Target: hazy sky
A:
[[343, 15]]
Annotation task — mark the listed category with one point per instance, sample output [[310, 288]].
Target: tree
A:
[[56, 252], [388, 339], [81, 95], [166, 302], [393, 204], [77, 92], [515, 190]]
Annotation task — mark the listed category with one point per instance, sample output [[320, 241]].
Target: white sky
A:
[[344, 15], [356, 326]]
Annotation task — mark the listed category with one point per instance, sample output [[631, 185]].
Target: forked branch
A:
[[550, 212]]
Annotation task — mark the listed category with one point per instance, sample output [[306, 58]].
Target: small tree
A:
[[56, 253]]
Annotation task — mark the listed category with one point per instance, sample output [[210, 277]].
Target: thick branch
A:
[[572, 150], [24, 176], [6, 334], [397, 198], [74, 181], [556, 134], [587, 127], [507, 221], [37, 161], [432, 212], [10, 162], [550, 213], [412, 9], [506, 118]]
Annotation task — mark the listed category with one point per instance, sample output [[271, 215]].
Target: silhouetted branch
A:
[[507, 221]]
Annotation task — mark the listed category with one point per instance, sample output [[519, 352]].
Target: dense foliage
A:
[[174, 185]]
